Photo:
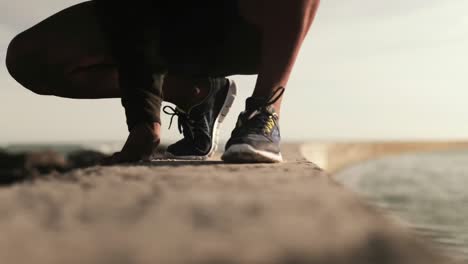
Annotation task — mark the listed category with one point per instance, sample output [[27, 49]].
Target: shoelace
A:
[[261, 121], [184, 124]]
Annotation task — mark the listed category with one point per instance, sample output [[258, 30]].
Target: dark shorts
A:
[[206, 37], [210, 38]]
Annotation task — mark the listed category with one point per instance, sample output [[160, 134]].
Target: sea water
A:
[[428, 191]]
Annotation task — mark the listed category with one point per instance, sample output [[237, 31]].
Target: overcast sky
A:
[[369, 69]]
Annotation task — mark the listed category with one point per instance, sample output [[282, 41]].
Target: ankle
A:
[[198, 93], [185, 92], [271, 99], [277, 107]]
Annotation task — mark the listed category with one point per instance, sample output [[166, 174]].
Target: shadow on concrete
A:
[[29, 166]]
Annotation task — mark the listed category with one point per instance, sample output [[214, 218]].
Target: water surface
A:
[[428, 191]]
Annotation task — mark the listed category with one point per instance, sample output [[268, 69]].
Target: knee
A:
[[295, 9], [313, 6], [19, 65], [12, 56], [308, 3], [301, 15], [261, 13], [314, 2], [305, 9]]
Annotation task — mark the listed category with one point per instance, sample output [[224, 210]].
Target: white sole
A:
[[244, 153], [230, 97]]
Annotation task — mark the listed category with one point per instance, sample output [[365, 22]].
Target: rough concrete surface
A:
[[198, 212]]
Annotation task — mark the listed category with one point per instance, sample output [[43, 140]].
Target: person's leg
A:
[[284, 25], [66, 55]]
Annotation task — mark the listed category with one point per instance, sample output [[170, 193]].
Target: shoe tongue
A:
[[254, 103], [257, 103], [214, 85]]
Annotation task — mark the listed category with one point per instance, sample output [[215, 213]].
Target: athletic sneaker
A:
[[256, 137], [201, 123]]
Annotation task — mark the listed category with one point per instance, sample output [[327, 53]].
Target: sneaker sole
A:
[[244, 153], [230, 97]]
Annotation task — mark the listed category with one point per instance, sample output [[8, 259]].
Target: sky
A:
[[368, 70]]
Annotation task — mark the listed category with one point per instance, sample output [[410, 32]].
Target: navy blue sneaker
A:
[[256, 137], [201, 123]]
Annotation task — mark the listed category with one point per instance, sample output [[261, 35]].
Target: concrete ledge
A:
[[199, 212]]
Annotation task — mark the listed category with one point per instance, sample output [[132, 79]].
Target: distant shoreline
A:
[[334, 157]]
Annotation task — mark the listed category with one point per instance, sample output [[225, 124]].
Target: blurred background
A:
[[370, 70]]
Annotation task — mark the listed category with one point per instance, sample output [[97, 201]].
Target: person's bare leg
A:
[[284, 25], [66, 55]]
